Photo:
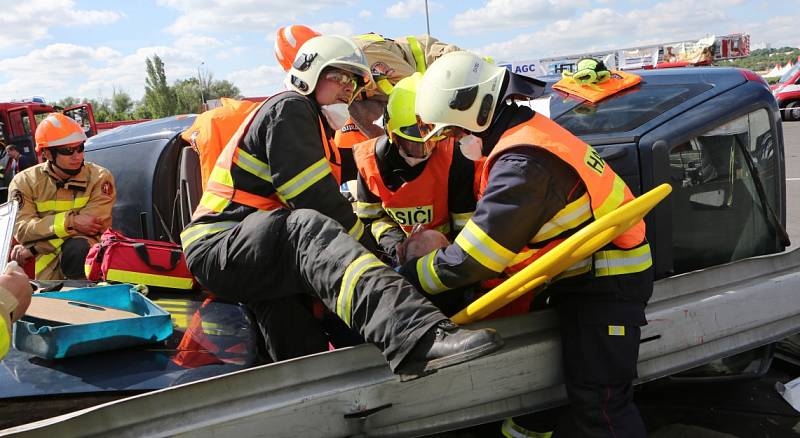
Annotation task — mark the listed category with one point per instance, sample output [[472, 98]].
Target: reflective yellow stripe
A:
[[385, 85], [44, 260], [148, 279], [53, 205], [222, 176], [374, 37], [509, 429], [569, 217], [60, 224], [483, 248], [580, 268], [5, 338], [460, 220], [369, 210], [352, 274], [214, 202], [426, 273], [253, 165], [190, 234], [616, 330], [357, 230], [622, 261], [378, 228], [419, 55], [613, 200], [305, 179]]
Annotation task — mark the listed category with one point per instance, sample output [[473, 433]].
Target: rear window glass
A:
[[625, 111]]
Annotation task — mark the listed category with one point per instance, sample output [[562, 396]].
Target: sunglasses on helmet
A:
[[66, 150]]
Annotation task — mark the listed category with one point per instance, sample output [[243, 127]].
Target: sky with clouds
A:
[[88, 48]]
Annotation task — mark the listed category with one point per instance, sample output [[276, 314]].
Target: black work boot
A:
[[447, 344]]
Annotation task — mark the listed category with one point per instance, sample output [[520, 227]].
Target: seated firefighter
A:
[[405, 182], [272, 227], [64, 203]]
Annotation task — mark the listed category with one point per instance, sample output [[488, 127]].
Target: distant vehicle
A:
[[709, 132], [787, 93]]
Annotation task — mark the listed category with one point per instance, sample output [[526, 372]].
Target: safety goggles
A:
[[68, 151], [427, 129]]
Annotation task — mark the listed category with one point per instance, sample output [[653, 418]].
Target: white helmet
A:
[[325, 51], [459, 89]]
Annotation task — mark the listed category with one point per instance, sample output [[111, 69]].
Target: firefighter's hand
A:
[[15, 281], [21, 255], [87, 224], [419, 244]]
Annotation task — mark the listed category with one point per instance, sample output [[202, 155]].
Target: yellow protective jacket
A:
[[7, 305], [394, 59], [46, 205]]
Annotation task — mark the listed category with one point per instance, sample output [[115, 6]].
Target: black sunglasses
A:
[[69, 150]]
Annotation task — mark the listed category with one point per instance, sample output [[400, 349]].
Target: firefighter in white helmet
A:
[[539, 185], [271, 228], [64, 203]]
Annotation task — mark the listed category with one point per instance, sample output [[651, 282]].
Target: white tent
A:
[[774, 73]]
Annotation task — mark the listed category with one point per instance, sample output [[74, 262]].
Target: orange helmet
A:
[[288, 42], [58, 130]]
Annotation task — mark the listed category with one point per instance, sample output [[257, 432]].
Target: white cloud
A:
[[264, 80], [238, 16], [499, 14], [779, 31], [335, 28], [364, 14], [25, 22], [406, 8], [194, 42], [604, 28]]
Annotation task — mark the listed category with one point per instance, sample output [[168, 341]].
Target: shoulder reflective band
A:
[[427, 276], [369, 210], [305, 179], [613, 200], [419, 55], [354, 271], [374, 37], [483, 248], [385, 86], [621, 261]]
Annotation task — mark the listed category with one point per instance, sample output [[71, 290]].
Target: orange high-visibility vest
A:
[[220, 187], [619, 81], [421, 201], [349, 136], [605, 190]]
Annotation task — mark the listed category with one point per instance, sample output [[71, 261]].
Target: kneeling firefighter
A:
[[271, 226], [539, 185], [64, 203]]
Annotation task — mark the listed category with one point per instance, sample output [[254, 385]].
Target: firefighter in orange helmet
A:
[[64, 203], [288, 41]]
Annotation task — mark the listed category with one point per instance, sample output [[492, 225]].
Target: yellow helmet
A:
[[401, 117]]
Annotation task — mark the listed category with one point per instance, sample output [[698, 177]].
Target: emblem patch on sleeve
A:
[[107, 188], [17, 196]]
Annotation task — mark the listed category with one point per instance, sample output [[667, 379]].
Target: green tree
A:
[[101, 109], [67, 101], [159, 98], [223, 88], [121, 105], [188, 96]]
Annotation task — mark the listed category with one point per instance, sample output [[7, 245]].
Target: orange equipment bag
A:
[[212, 130], [154, 263]]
